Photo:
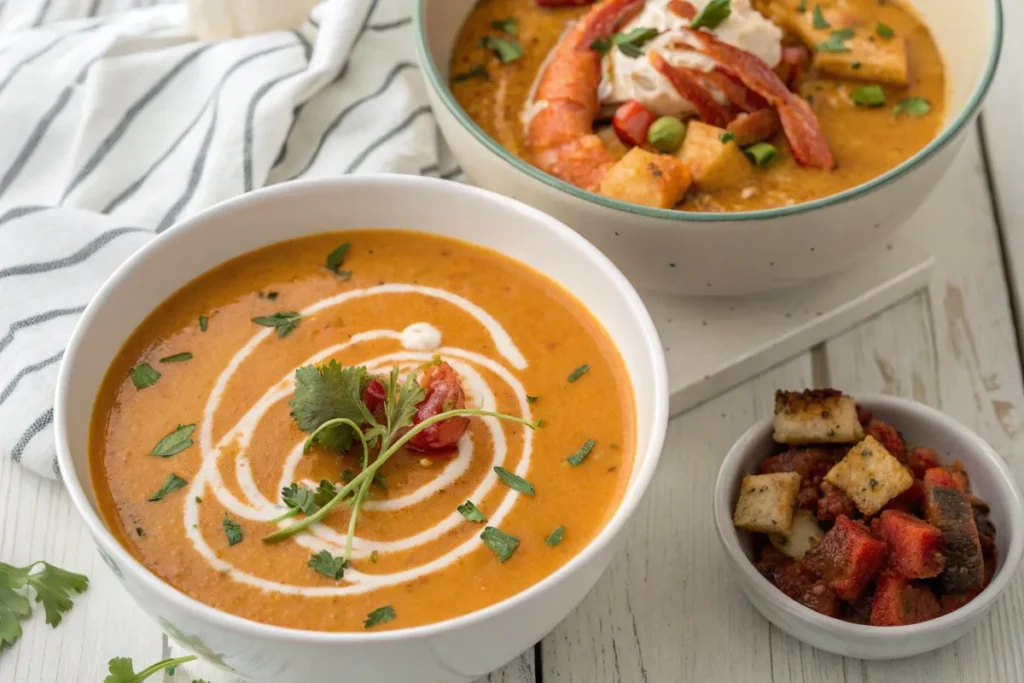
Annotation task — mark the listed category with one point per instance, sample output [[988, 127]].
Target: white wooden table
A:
[[666, 611]]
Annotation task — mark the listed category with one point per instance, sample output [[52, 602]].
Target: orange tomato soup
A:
[[513, 338]]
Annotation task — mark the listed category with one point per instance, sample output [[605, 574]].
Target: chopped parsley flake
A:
[[556, 537], [171, 484], [514, 482], [233, 530], [507, 49], [142, 376], [578, 372], [203, 322], [579, 456], [177, 358], [884, 31], [713, 14], [868, 96], [381, 615], [284, 322], [175, 442], [509, 26], [471, 512], [475, 71], [501, 543], [818, 19], [915, 106], [328, 565]]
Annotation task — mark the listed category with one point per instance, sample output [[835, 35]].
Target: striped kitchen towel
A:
[[117, 124]]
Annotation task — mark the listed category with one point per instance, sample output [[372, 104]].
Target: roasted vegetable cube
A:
[[807, 589], [915, 546], [767, 502], [898, 602], [816, 416], [647, 178], [804, 535], [870, 475], [940, 476], [713, 164], [950, 511], [848, 558]]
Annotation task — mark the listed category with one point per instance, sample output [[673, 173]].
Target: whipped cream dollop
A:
[[625, 78], [421, 337]]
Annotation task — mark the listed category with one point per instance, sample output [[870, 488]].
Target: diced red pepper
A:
[[915, 546], [807, 589], [631, 122], [898, 602], [443, 393], [940, 476], [374, 396], [888, 437], [921, 459], [848, 558]]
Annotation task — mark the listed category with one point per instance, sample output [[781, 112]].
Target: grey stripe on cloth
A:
[[21, 211], [250, 117], [379, 142], [36, 320], [194, 176], [387, 26], [37, 426], [28, 370], [79, 256]]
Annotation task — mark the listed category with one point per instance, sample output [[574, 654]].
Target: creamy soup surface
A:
[[870, 72], [513, 339]]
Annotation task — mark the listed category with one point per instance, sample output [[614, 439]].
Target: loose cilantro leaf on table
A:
[[142, 376], [233, 530], [514, 482], [579, 456], [300, 498], [284, 322], [175, 442], [471, 512], [501, 543], [53, 587], [556, 537], [329, 392], [171, 484], [381, 615], [123, 671], [328, 565]]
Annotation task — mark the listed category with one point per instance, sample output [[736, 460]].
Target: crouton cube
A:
[[848, 558], [870, 475], [879, 60], [804, 535], [949, 510], [915, 546], [714, 164], [898, 602], [816, 416], [647, 178], [767, 502]]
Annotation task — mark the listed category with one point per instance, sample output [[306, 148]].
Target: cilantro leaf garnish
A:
[[337, 257], [373, 557], [233, 530], [171, 484], [630, 43], [501, 543], [868, 96], [329, 392], [175, 442], [727, 136], [381, 615], [143, 376], [300, 498], [284, 322], [578, 372], [507, 49], [123, 671], [601, 45], [203, 323], [474, 71], [509, 26], [555, 537], [471, 512], [836, 41], [328, 565], [713, 14], [818, 19], [53, 587], [177, 358], [324, 492], [915, 106], [884, 31], [579, 456], [514, 482], [531, 399]]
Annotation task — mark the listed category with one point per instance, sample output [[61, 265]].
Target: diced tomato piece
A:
[[922, 459], [915, 546], [374, 396], [848, 558], [443, 392], [888, 437], [834, 503], [807, 589], [631, 122], [940, 476], [898, 602]]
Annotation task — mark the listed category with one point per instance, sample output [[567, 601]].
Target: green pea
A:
[[761, 153], [666, 134]]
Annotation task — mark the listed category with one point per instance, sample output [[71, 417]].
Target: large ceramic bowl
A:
[[737, 253], [460, 649]]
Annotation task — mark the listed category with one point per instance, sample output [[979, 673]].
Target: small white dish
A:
[[460, 649], [991, 481]]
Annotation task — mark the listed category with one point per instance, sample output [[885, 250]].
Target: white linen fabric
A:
[[117, 124]]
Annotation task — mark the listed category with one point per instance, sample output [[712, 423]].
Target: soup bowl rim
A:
[[128, 271], [746, 452], [949, 132]]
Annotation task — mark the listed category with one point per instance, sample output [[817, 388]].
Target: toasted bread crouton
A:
[[647, 178], [816, 416], [713, 164], [804, 535], [879, 61], [767, 502], [870, 475]]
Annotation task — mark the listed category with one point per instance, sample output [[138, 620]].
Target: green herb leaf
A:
[[171, 484], [53, 587], [884, 31], [475, 71], [836, 41], [868, 96], [373, 557], [514, 482], [915, 106], [801, 6], [270, 296], [509, 26], [601, 45], [175, 442], [579, 456], [630, 43], [727, 136], [300, 498], [143, 376], [713, 14], [381, 615], [325, 393], [556, 537], [380, 482], [761, 153], [855, 65], [337, 257], [329, 566], [123, 671], [14, 607], [531, 399], [324, 493], [203, 322], [507, 49], [233, 530], [284, 322], [177, 358], [578, 372], [501, 543], [471, 512], [818, 21]]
